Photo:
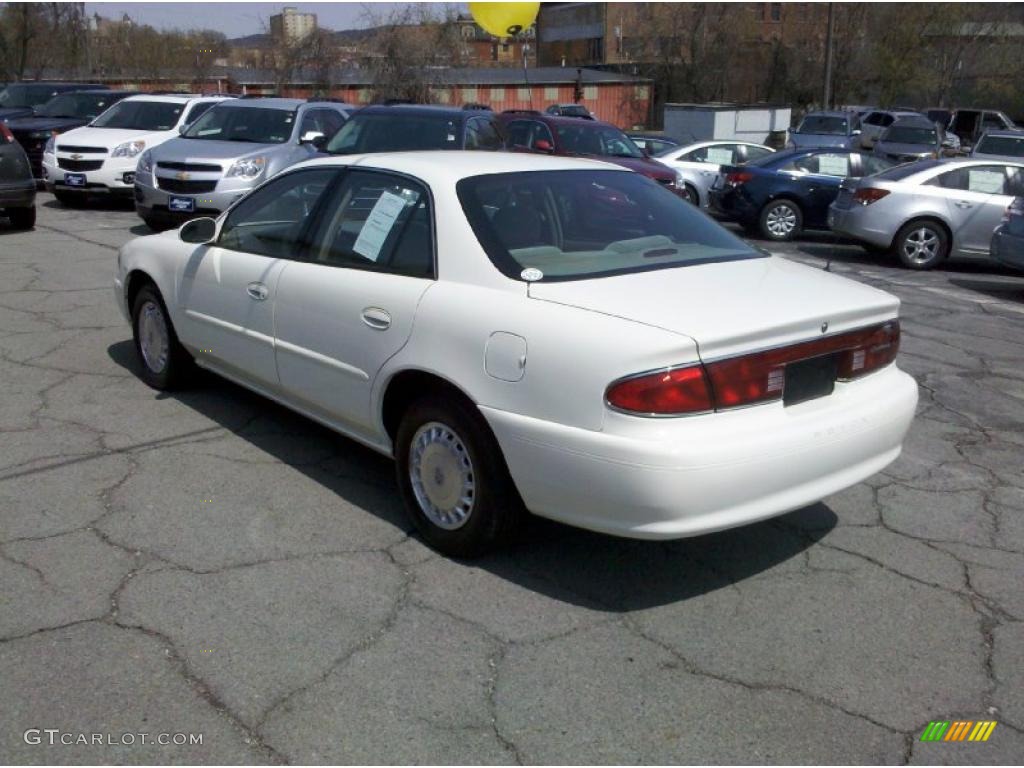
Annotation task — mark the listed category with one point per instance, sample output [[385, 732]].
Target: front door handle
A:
[[963, 204], [377, 318], [257, 291]]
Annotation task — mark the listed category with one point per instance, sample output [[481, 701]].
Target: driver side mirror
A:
[[198, 231], [543, 145], [316, 138]]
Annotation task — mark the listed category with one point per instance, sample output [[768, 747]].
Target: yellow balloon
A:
[[504, 19]]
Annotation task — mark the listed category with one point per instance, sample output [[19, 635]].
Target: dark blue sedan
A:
[[784, 193], [1008, 239]]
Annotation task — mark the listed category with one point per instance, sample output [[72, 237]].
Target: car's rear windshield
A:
[[1010, 146], [141, 115], [906, 134], [258, 125], [588, 139], [395, 133], [77, 105], [823, 124], [574, 225], [900, 172]]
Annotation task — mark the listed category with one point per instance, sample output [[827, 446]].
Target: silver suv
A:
[[227, 152]]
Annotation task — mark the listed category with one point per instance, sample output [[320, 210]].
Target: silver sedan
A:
[[929, 210], [699, 163]]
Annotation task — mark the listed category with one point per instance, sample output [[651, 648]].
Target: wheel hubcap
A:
[[921, 245], [781, 220], [442, 475], [153, 339]]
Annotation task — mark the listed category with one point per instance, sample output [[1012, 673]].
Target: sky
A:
[[236, 19]]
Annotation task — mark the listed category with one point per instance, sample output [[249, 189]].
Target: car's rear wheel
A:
[[922, 244], [692, 196], [22, 218], [453, 478], [70, 199], [166, 364], [781, 220]]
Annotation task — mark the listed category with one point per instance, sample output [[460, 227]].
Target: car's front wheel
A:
[[692, 196], [453, 478], [922, 244], [166, 364], [781, 220], [22, 218]]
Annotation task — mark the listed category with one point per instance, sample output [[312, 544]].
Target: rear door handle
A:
[[377, 318], [257, 291], [963, 204]]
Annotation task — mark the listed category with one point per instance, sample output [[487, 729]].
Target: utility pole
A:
[[827, 98]]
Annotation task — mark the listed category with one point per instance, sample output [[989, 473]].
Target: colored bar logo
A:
[[958, 730]]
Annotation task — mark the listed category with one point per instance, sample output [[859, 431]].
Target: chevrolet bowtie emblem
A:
[[181, 176], [76, 157]]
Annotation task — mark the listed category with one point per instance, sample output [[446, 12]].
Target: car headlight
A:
[[128, 149], [247, 168], [146, 161], [50, 147]]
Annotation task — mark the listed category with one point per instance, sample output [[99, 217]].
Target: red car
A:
[[531, 131]]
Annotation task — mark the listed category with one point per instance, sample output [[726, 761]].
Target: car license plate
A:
[[181, 204], [808, 379], [74, 179]]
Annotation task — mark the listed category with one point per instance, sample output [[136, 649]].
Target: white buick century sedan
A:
[[531, 333]]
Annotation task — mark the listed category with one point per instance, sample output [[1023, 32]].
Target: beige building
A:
[[291, 25]]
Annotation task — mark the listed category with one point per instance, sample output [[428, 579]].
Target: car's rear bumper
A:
[[18, 195], [1007, 248], [706, 473], [857, 222]]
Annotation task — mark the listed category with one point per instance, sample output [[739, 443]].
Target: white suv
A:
[[100, 158]]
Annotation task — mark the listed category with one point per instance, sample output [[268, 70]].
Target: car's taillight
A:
[[869, 195], [670, 392], [5, 133], [736, 178], [751, 379]]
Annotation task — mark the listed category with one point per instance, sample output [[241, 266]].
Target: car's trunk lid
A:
[[734, 307]]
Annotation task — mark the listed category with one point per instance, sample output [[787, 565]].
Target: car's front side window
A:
[[376, 221], [273, 219]]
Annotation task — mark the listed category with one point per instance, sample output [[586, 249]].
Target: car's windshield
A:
[[584, 139], [571, 225], [823, 124], [1009, 146], [905, 134], [77, 105], [395, 133], [141, 115], [258, 125]]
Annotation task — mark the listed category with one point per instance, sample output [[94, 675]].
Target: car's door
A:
[[976, 197], [350, 306], [228, 287], [818, 176]]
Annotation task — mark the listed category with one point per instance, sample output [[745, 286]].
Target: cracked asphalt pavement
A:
[[208, 563]]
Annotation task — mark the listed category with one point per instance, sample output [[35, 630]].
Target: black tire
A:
[[70, 199], [921, 244], [494, 511], [781, 220], [173, 368], [692, 196], [22, 218]]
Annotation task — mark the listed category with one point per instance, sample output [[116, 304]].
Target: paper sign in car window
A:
[[988, 182], [834, 165], [719, 156], [378, 225]]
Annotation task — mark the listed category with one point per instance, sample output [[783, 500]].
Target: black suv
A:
[[59, 114], [21, 99], [405, 127]]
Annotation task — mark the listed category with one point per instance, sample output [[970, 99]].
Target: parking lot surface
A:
[[206, 562]]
